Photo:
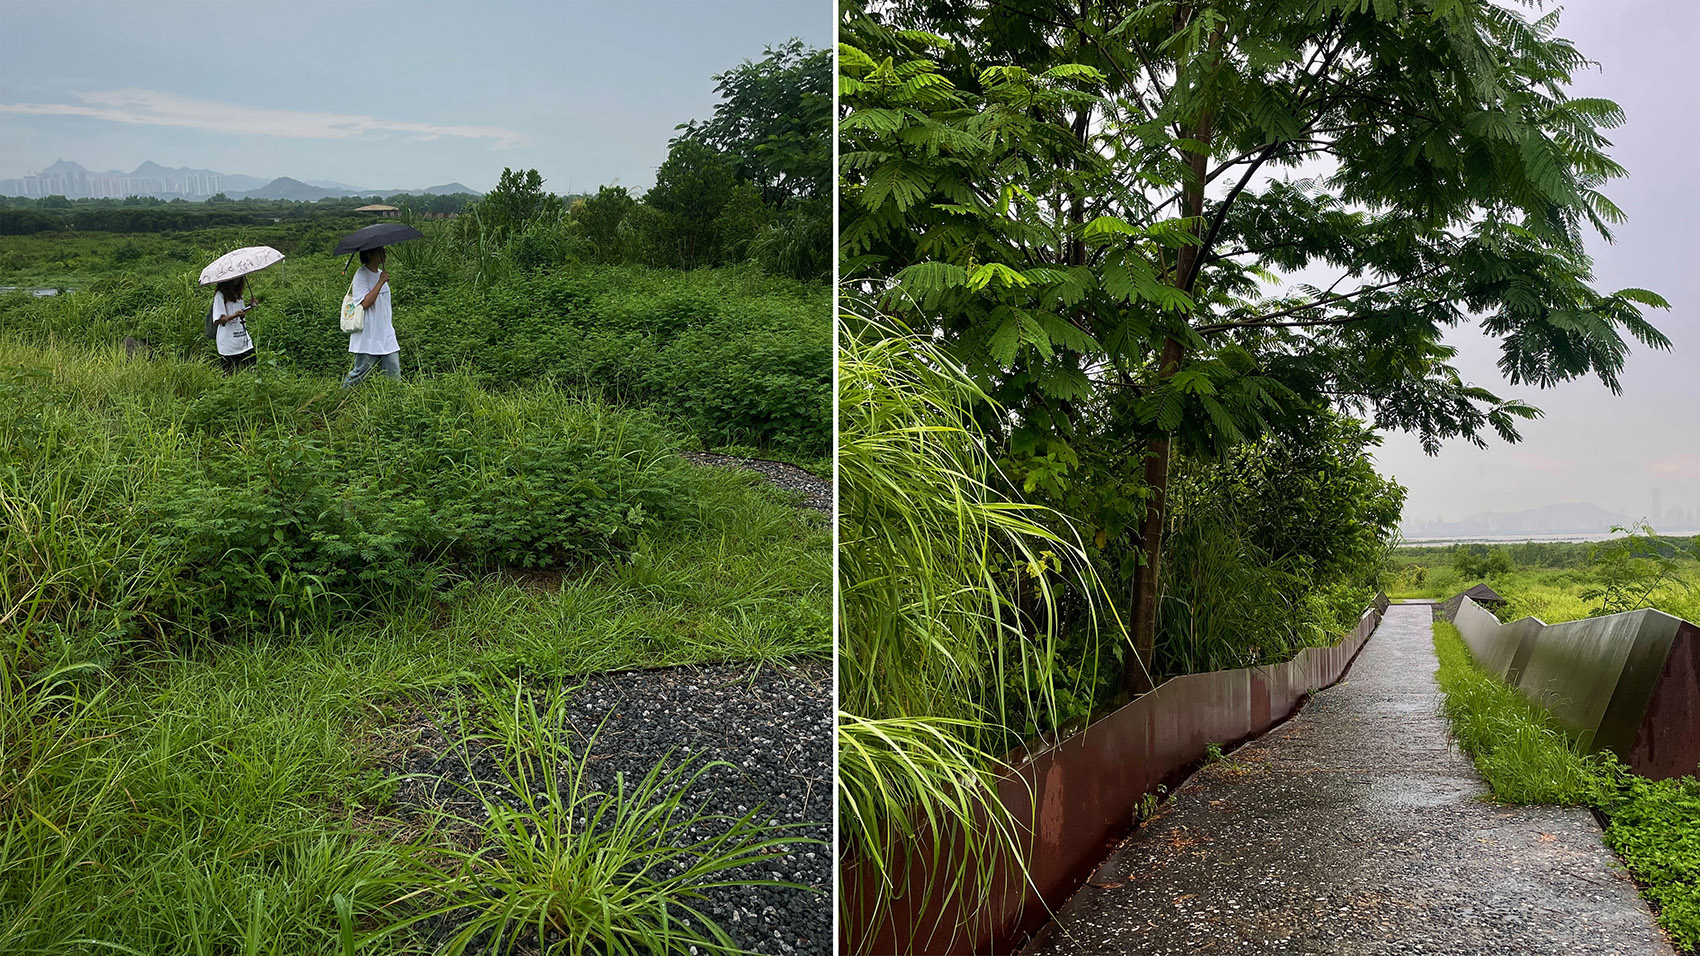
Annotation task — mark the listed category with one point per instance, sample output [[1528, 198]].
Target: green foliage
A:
[[1522, 752], [278, 503], [517, 201], [597, 220], [1559, 581], [1480, 560], [1654, 825], [692, 188], [1277, 546], [1633, 567], [948, 643], [739, 357], [1655, 828], [1032, 188], [216, 795], [770, 117]]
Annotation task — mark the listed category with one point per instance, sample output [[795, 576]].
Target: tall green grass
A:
[[947, 619], [734, 354]]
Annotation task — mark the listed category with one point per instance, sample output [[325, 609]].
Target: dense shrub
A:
[[182, 498], [1276, 546]]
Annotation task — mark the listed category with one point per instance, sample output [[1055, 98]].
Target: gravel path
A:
[[772, 723], [1358, 828], [816, 491]]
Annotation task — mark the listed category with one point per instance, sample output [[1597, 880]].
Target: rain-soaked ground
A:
[[1358, 828]]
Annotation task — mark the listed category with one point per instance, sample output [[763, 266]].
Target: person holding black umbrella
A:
[[375, 343]]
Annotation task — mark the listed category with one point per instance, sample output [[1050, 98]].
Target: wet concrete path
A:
[[1357, 828]]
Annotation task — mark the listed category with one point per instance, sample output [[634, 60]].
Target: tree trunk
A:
[[1137, 671], [1137, 677]]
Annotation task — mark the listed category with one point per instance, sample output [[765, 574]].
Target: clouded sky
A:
[[375, 94], [1591, 446]]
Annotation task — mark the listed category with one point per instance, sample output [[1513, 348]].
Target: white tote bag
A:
[[353, 314]]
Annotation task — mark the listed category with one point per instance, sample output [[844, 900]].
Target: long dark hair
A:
[[232, 288]]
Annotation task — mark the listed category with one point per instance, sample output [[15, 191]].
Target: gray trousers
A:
[[388, 364]]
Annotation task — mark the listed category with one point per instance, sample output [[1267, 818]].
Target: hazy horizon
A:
[[587, 94], [1616, 452]]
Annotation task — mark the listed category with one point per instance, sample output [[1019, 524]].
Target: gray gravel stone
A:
[[816, 491], [1358, 827]]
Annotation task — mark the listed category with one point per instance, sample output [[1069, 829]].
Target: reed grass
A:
[[948, 627]]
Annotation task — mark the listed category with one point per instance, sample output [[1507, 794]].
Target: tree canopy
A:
[[775, 117], [1197, 222]]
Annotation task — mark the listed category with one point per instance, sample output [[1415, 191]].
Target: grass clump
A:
[[1654, 825], [569, 869]]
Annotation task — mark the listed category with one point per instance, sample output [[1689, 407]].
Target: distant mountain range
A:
[[1572, 518], [68, 179]]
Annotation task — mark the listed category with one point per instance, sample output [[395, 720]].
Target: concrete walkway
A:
[[1357, 828]]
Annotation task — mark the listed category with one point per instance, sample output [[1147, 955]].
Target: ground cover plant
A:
[[1526, 758], [190, 743]]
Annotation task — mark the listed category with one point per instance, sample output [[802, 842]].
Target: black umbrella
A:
[[371, 237]]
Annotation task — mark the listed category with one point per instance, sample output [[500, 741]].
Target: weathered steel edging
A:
[[1081, 796], [1628, 683]]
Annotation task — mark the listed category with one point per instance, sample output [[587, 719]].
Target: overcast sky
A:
[[1591, 446], [375, 94]]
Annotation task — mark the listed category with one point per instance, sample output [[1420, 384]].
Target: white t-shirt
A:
[[377, 336], [232, 336]]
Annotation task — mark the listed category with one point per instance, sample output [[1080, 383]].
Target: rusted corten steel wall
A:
[[1081, 797], [1629, 683]]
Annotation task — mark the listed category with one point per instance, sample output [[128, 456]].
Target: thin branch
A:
[[1262, 321]]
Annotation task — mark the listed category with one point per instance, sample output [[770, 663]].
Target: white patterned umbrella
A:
[[239, 263]]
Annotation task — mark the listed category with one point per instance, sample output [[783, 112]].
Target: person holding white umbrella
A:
[[235, 345], [227, 322]]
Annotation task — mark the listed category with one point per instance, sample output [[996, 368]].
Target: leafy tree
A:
[[692, 188], [775, 118], [1480, 560], [517, 201], [598, 220], [1089, 200]]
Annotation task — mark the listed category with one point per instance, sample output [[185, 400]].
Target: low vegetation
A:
[[1527, 758], [1560, 581], [219, 592]]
